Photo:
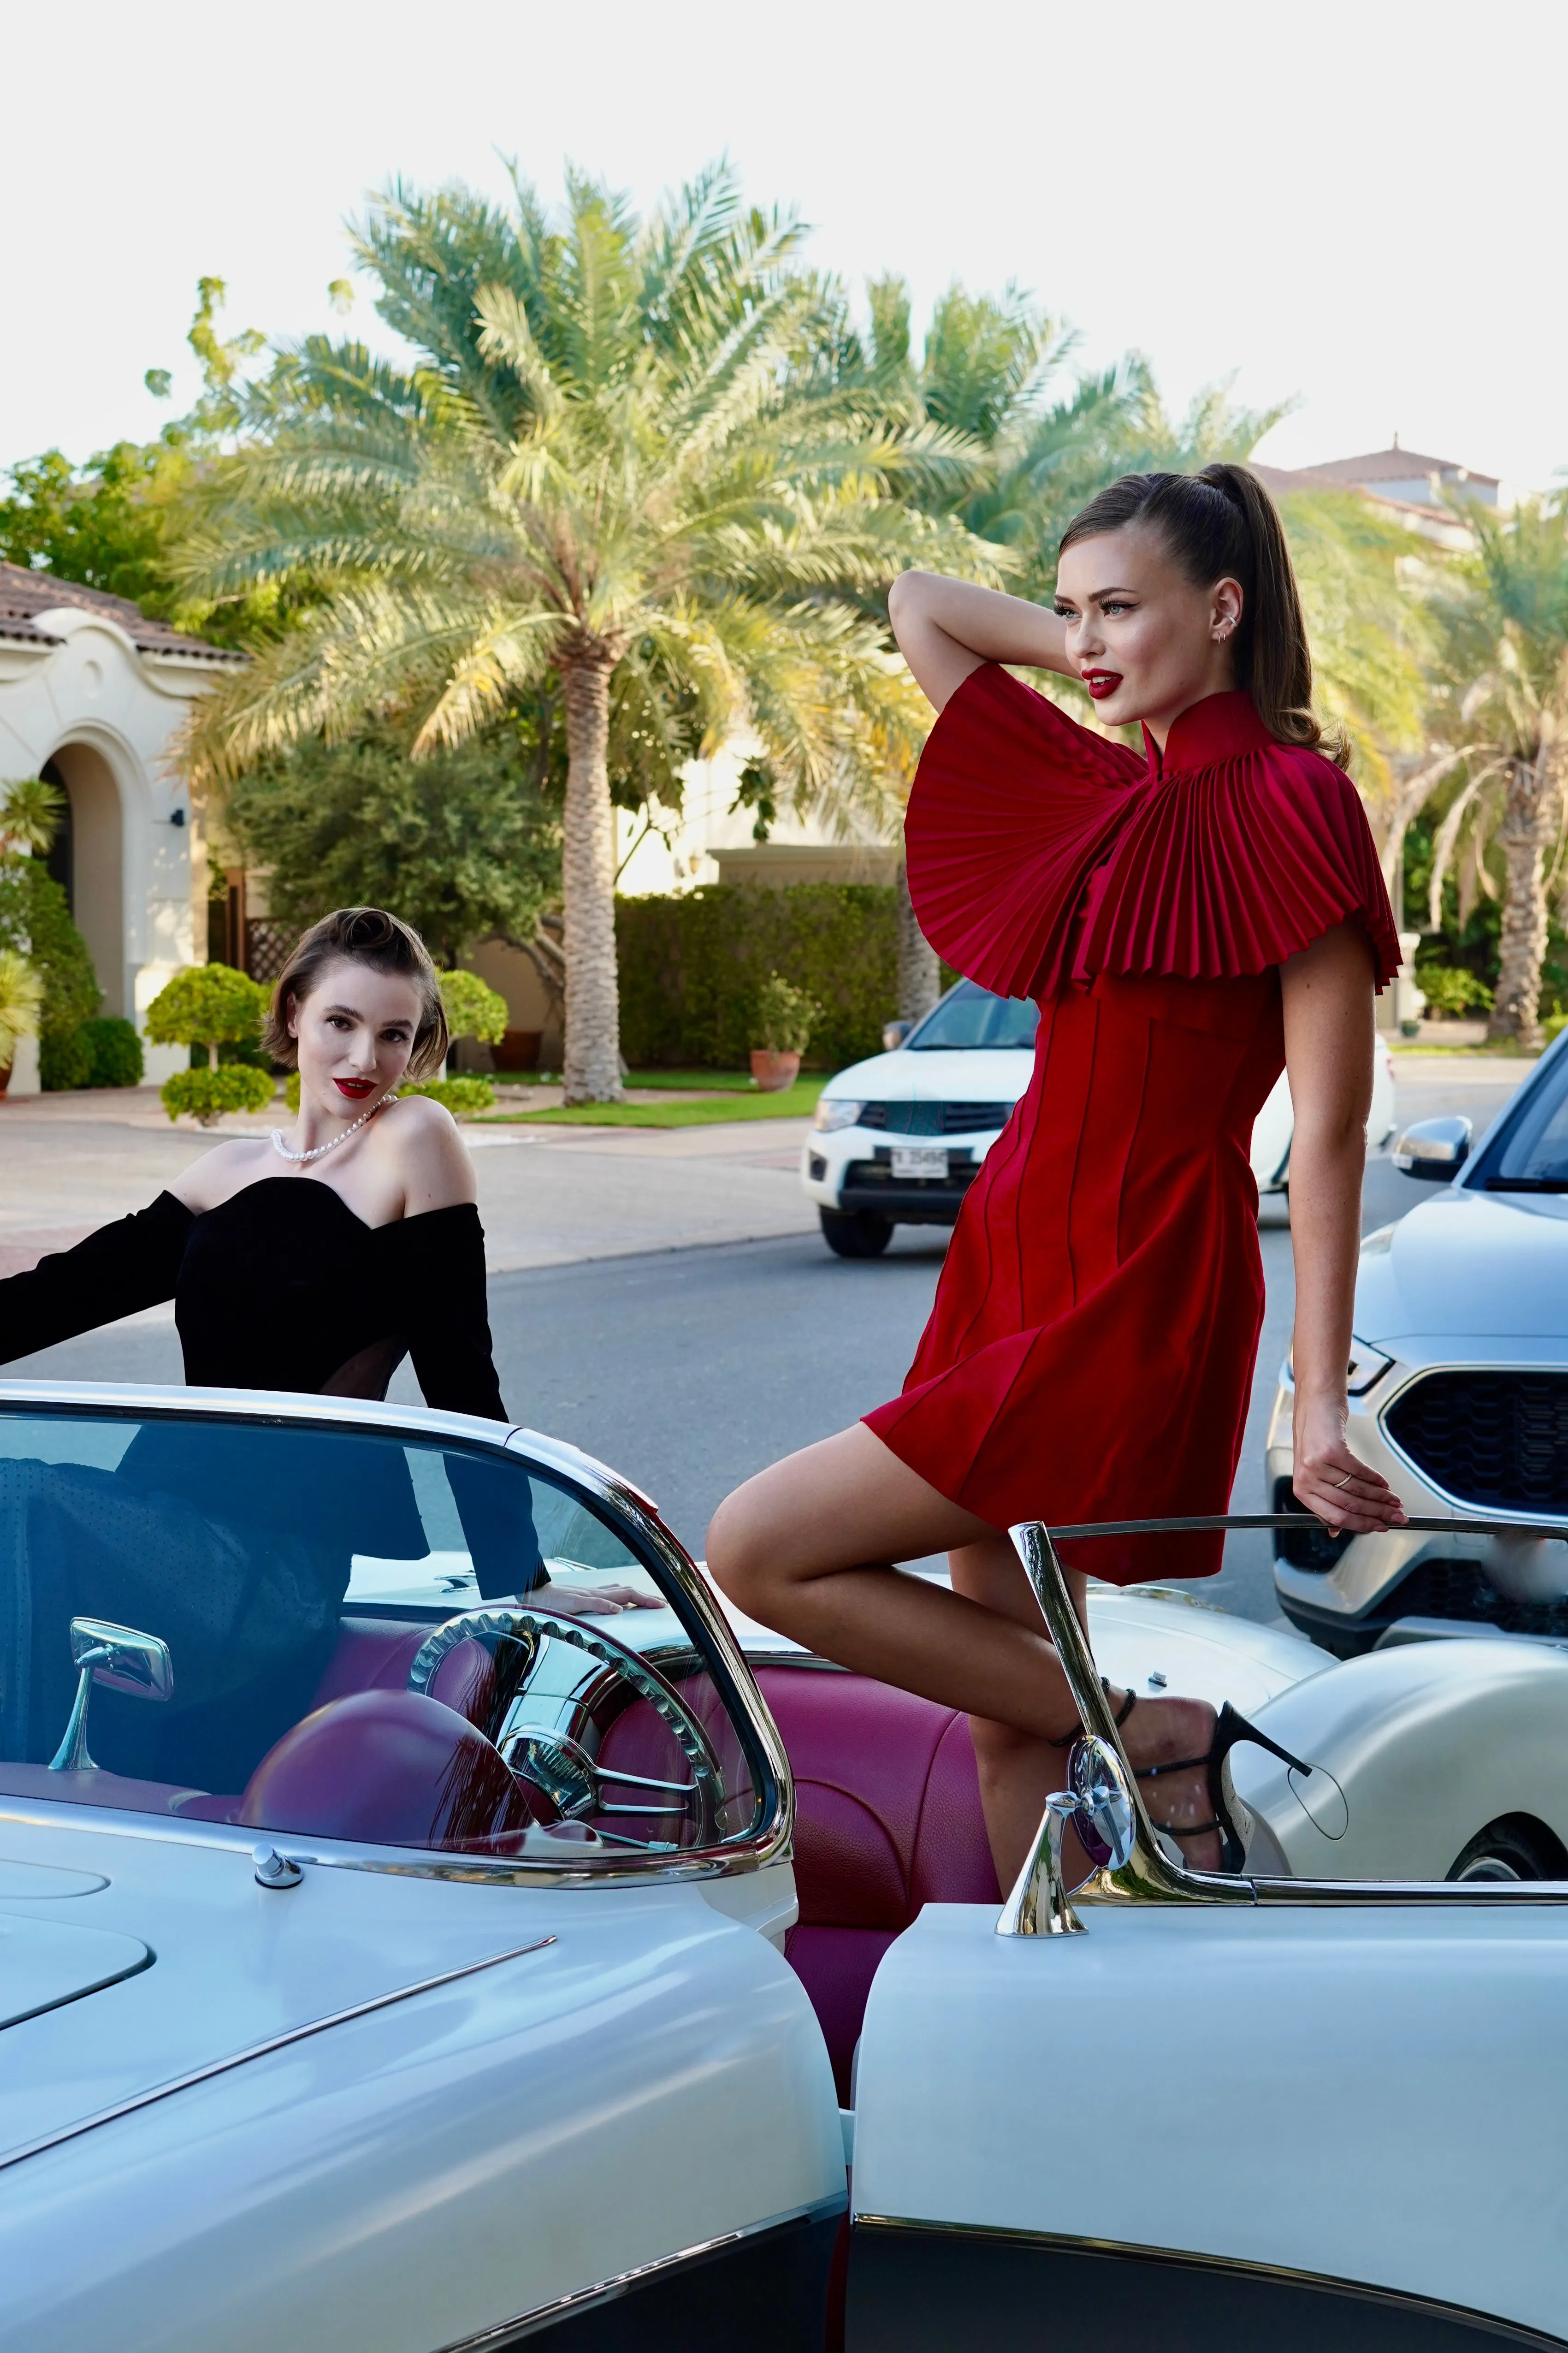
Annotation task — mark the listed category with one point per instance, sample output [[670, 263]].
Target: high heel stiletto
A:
[[1231, 1731]]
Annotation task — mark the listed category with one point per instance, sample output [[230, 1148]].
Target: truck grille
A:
[[1494, 1439], [936, 1118]]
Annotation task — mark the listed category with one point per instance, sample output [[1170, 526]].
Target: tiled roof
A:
[[1395, 466], [24, 595]]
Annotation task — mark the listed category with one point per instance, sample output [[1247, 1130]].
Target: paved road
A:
[[690, 1367]]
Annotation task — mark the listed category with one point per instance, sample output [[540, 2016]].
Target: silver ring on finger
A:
[[1346, 1480]]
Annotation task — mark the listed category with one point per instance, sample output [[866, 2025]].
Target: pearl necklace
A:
[[299, 1158]]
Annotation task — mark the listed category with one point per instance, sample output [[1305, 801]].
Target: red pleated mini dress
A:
[[1090, 1352]]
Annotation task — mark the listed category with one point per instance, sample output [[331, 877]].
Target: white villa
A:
[[92, 695]]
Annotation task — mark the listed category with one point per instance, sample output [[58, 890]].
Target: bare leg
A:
[[806, 1547]]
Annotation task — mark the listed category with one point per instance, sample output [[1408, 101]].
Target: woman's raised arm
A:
[[946, 628], [1329, 1040]]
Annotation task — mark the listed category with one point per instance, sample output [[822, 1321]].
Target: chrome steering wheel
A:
[[557, 1762]]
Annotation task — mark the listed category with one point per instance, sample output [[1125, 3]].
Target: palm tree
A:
[[1502, 687], [607, 464]]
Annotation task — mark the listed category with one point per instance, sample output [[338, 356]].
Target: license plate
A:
[[919, 1160]]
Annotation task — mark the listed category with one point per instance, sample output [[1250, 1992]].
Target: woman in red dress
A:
[[1190, 921]]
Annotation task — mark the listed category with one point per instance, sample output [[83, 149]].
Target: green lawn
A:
[[792, 1103], [682, 1082]]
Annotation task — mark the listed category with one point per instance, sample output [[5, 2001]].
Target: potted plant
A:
[[21, 1000], [782, 1028]]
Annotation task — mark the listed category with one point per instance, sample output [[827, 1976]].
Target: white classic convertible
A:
[[398, 1956]]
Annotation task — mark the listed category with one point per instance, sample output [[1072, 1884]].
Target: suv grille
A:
[[936, 1118], [1495, 1438], [1462, 1590]]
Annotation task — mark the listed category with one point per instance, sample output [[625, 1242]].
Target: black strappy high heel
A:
[[1231, 1732]]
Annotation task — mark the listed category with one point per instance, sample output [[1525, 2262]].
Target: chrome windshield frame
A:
[[769, 1840]]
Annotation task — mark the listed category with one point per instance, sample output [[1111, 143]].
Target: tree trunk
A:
[[1525, 834], [920, 973], [592, 1058]]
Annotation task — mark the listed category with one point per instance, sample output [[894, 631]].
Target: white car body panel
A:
[[652, 2049], [1363, 2094]]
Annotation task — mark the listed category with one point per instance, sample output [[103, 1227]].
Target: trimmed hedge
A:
[[692, 969], [113, 1052]]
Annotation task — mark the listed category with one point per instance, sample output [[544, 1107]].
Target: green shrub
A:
[[113, 1050], [207, 1095], [692, 969], [474, 1009], [459, 1095], [1451, 991], [64, 1059], [35, 917], [785, 1017]]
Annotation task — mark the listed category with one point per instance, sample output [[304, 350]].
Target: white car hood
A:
[[1469, 1266], [968, 1074], [144, 1956]]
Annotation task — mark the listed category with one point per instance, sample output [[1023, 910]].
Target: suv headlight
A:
[[835, 1111], [1365, 1369]]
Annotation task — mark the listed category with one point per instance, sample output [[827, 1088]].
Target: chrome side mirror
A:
[[1099, 1805], [121, 1660], [893, 1035], [1434, 1149]]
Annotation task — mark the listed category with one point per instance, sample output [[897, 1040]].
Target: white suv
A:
[[897, 1140]]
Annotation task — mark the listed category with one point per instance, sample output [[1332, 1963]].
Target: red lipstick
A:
[[356, 1090], [1101, 682]]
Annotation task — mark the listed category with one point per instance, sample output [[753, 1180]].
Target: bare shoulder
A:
[[418, 1140], [221, 1173]]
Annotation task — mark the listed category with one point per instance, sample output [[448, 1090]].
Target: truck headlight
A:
[[835, 1111]]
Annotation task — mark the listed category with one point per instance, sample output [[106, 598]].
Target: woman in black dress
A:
[[317, 1257], [314, 1259]]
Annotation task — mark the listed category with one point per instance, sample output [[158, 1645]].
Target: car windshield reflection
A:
[[1531, 1156], [970, 1017], [365, 1637]]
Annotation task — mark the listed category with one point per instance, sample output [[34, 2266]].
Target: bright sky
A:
[[1357, 202]]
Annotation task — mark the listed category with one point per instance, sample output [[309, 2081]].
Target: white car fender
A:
[[1415, 1749], [647, 2082]]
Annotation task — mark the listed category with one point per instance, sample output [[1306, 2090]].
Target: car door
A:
[[1191, 2112], [408, 1974]]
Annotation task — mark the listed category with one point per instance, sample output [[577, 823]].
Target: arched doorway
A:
[[59, 859], [91, 869]]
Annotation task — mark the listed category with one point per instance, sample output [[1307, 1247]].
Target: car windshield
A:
[[1534, 1153], [970, 1016], [265, 1623]]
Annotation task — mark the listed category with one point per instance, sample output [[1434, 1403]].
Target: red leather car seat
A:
[[389, 1767], [888, 1818]]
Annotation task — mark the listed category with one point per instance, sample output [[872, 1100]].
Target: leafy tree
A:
[[604, 460], [1500, 695], [460, 844], [473, 1008], [208, 1004], [110, 524]]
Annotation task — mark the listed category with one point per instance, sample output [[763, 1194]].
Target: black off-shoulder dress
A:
[[230, 1546], [281, 1287]]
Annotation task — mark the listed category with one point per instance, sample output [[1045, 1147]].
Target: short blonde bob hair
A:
[[366, 936]]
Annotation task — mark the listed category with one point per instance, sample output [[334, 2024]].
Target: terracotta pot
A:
[[773, 1072]]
